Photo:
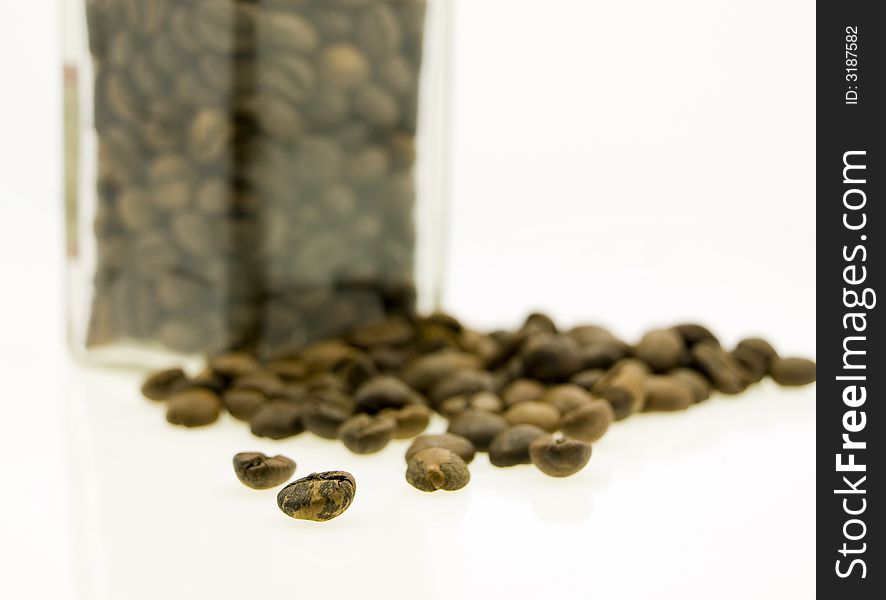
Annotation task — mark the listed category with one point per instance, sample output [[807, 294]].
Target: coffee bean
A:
[[477, 400], [662, 349], [365, 434], [287, 32], [262, 472], [325, 411], [478, 426], [760, 347], [511, 446], [423, 372], [542, 414], [210, 134], [461, 446], [551, 358], [538, 323], [377, 106], [277, 420], [558, 456], [243, 403], [288, 369], [566, 397], [193, 408], [522, 390], [588, 422], [435, 469], [624, 388], [726, 373], [160, 385], [602, 354], [344, 66], [792, 371], [378, 31], [698, 383], [394, 331], [462, 381], [755, 365], [207, 379], [270, 385], [319, 496], [384, 391], [588, 378], [664, 393], [693, 333], [411, 420], [233, 364]]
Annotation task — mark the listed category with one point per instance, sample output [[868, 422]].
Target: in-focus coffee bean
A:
[[319, 496]]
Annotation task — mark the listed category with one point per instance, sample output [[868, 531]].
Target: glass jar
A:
[[251, 174]]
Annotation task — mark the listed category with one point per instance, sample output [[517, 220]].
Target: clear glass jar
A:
[[251, 173]]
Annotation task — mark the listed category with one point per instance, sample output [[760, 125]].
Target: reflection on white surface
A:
[[684, 501]]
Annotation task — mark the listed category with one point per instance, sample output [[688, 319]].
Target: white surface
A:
[[632, 162]]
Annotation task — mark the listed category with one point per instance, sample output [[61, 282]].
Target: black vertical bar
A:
[[850, 225]]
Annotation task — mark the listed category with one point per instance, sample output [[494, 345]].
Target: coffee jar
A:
[[251, 174]]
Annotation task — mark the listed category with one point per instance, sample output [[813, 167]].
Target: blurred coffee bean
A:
[[541, 414], [792, 371], [588, 422], [384, 391], [661, 349], [365, 434], [693, 333], [160, 385], [665, 393], [411, 420], [511, 446], [551, 358], [726, 373], [566, 397], [478, 426], [277, 420], [193, 408], [698, 383]]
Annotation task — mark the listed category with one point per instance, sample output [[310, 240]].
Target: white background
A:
[[626, 162]]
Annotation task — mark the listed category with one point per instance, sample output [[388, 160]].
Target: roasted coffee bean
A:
[[287, 32], [193, 408], [344, 66], [365, 434], [542, 414], [559, 456], [698, 383], [319, 496], [325, 355], [262, 381], [551, 358], [390, 332], [624, 388], [602, 354], [160, 385], [233, 364], [478, 400], [538, 323], [511, 446], [478, 426], [724, 371], [586, 335], [378, 30], [760, 347], [566, 397], [388, 359], [422, 373], [461, 446], [588, 378], [588, 422], [661, 349], [384, 391], [277, 420], [755, 365], [792, 371], [462, 381], [356, 369], [665, 393], [522, 390], [435, 469], [206, 379], [262, 472], [411, 420], [287, 369], [325, 411], [243, 403], [693, 333]]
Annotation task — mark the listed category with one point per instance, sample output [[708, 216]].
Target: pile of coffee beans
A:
[[254, 169], [537, 395]]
